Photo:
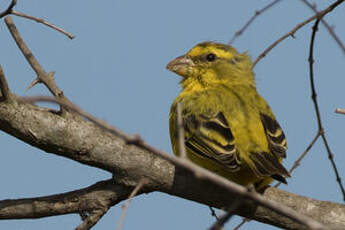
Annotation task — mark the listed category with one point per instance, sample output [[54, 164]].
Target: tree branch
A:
[[328, 27], [251, 20], [9, 9], [84, 142], [135, 191], [201, 173], [294, 30], [44, 22], [42, 77], [99, 196], [317, 110]]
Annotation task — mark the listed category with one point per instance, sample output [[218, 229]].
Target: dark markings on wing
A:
[[267, 164], [279, 178], [224, 132], [196, 150], [228, 160], [275, 136], [200, 139]]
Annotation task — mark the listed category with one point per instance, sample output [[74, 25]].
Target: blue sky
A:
[[115, 69]]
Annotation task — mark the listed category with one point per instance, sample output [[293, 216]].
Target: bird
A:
[[228, 126]]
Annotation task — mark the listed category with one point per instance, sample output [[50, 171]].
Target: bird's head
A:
[[210, 63]]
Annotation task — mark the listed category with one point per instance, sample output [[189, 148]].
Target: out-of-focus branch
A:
[[340, 111], [294, 30], [180, 132], [135, 191]]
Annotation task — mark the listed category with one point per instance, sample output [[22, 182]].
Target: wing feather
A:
[[211, 137], [275, 136]]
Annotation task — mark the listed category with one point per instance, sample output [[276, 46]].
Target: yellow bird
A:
[[229, 128]]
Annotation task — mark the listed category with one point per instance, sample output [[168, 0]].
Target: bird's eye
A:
[[210, 57]]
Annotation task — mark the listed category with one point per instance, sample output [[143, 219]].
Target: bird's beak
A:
[[181, 65]]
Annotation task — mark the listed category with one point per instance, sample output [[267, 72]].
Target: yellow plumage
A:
[[229, 128]]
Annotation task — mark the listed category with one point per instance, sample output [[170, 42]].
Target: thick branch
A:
[[82, 141], [99, 196]]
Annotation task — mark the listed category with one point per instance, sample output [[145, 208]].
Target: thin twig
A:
[[204, 174], [41, 74], [9, 9], [328, 27], [141, 183], [44, 22], [42, 77], [218, 225], [316, 106], [300, 158], [297, 27], [5, 91], [180, 132], [251, 20], [340, 111]]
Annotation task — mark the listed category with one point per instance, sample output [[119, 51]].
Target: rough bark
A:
[[82, 141]]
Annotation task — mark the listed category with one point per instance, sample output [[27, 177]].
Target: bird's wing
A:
[[210, 137], [268, 163], [275, 135]]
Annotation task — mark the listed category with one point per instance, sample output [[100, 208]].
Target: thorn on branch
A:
[[42, 77], [32, 84]]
